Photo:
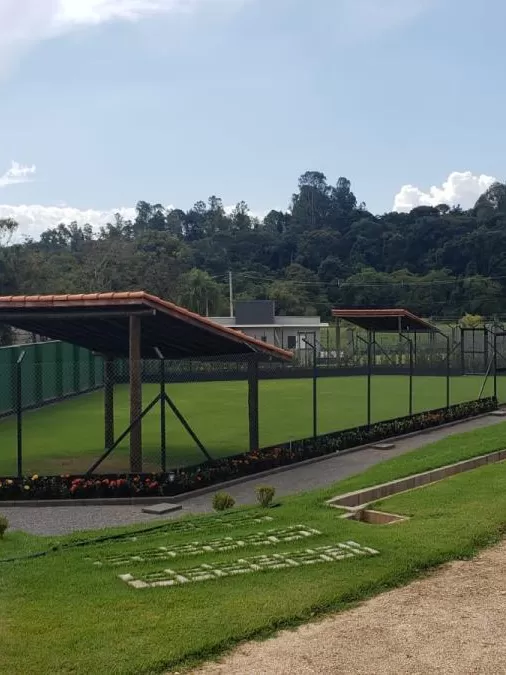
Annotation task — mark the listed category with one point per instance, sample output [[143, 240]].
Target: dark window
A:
[[291, 342], [264, 338]]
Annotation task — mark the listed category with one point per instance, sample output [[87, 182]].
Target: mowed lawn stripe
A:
[[67, 437]]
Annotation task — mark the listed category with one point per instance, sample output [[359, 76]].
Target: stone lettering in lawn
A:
[[267, 538], [233, 520], [275, 561]]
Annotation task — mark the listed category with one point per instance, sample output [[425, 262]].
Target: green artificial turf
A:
[[77, 618], [67, 437]]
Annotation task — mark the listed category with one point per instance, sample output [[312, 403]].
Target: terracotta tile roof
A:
[[112, 300], [383, 317]]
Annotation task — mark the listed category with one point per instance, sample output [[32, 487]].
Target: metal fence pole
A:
[[19, 412], [253, 415], [315, 385], [448, 370], [495, 364], [163, 440], [411, 368], [315, 393], [462, 351], [368, 344], [369, 376]]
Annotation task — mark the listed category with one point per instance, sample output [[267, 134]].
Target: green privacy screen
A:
[[49, 371]]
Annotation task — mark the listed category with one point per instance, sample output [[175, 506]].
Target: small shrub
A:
[[265, 495], [223, 501], [4, 524]]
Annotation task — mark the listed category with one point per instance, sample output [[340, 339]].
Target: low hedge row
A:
[[211, 473]]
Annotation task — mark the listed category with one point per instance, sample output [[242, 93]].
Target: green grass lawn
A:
[[74, 617], [67, 437]]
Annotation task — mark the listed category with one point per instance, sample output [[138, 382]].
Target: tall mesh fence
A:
[[199, 409]]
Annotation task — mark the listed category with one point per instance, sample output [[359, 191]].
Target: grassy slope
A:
[[68, 437], [75, 618]]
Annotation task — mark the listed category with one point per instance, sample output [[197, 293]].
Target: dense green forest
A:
[[326, 250]]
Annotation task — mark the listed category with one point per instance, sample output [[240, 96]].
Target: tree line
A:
[[325, 250]]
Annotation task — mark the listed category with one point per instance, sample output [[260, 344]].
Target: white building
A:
[[258, 319]]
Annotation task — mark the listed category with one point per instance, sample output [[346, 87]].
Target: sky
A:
[[107, 102]]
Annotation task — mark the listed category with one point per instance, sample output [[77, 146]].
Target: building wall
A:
[[287, 337]]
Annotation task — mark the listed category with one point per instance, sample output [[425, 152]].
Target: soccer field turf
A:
[[67, 437]]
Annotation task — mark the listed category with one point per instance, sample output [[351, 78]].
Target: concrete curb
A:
[[176, 499], [359, 499]]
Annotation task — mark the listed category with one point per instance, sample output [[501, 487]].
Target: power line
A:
[[371, 284]]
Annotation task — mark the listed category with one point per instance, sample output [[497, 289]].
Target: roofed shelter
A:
[[400, 321], [137, 325], [385, 320]]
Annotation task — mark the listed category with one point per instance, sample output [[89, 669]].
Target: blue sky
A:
[[106, 102]]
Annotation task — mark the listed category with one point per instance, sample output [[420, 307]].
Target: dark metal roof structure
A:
[[385, 320], [100, 322]]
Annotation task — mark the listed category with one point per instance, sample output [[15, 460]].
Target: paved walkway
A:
[[65, 519]]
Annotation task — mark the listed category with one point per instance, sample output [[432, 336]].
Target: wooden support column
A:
[[253, 404], [108, 402], [135, 395]]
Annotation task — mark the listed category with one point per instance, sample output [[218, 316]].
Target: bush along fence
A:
[[186, 480]]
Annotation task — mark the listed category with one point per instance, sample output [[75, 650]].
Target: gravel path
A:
[[450, 623], [63, 519]]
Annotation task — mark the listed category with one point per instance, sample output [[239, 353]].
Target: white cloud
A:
[[462, 188], [25, 22], [18, 173], [34, 219]]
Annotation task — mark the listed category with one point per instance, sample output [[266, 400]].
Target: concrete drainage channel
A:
[[355, 503]]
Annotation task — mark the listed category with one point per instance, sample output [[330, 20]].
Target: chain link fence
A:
[[59, 413]]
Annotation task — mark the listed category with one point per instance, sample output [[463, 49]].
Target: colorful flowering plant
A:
[[212, 473]]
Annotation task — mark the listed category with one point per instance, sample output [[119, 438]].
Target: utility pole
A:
[[231, 293]]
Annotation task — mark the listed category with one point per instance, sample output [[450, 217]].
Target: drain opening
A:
[[374, 517]]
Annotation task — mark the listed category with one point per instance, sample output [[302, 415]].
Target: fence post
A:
[[19, 412], [369, 374], [163, 440], [462, 351], [315, 391], [253, 403], [495, 364], [338, 342], [411, 364], [448, 370], [135, 367]]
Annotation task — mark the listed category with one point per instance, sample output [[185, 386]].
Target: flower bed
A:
[[211, 473]]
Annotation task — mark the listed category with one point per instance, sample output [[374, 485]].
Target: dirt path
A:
[[453, 622]]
